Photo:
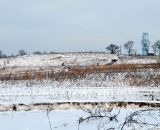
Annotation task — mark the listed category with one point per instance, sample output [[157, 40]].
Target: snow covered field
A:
[[73, 59], [69, 120], [26, 95], [92, 88], [138, 60]]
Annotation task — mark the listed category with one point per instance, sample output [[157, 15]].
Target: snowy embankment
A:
[[27, 95]]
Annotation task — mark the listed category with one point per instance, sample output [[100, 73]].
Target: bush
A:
[[22, 52], [37, 53], [1, 54]]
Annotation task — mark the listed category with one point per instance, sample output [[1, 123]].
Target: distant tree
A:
[[113, 49], [37, 52], [146, 44], [129, 47], [156, 47], [22, 52], [44, 52], [4, 56], [52, 52], [12, 55], [1, 54]]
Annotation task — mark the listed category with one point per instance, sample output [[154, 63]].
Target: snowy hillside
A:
[[73, 59], [58, 59]]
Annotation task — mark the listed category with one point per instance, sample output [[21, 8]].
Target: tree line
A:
[[112, 49], [115, 49], [23, 52]]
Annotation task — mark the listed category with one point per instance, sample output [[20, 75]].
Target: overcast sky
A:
[[76, 25]]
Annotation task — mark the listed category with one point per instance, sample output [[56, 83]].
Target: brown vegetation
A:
[[74, 72]]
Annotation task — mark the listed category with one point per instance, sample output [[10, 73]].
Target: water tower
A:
[[145, 44]]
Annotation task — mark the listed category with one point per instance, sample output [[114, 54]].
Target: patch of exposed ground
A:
[[75, 105]]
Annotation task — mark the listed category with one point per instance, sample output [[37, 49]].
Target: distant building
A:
[[145, 44]]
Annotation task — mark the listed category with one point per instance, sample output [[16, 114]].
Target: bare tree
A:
[[22, 52], [129, 47], [113, 49], [37, 53], [143, 118], [1, 54], [156, 47], [98, 113], [139, 118], [49, 121], [146, 44]]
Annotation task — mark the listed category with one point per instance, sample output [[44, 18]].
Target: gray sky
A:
[[75, 25]]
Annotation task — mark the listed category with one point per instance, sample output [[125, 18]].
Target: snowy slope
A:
[[93, 88], [58, 59]]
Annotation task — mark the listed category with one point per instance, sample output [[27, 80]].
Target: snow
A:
[[138, 60], [49, 94], [68, 120]]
